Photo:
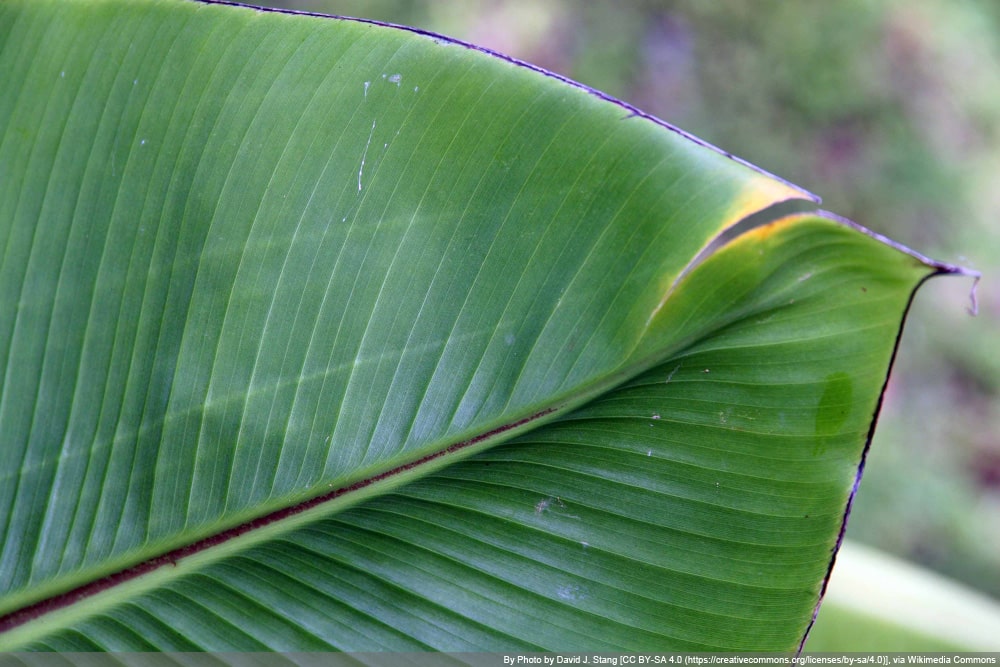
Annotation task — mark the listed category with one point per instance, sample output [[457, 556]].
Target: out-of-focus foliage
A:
[[888, 110], [876, 602]]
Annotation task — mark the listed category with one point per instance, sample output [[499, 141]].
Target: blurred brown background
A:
[[888, 110]]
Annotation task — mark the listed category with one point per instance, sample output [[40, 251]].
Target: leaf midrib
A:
[[35, 608], [215, 546]]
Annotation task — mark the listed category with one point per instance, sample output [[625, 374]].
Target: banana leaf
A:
[[323, 334]]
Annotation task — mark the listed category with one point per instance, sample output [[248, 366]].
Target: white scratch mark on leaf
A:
[[367, 83], [569, 592], [396, 79], [365, 154], [551, 502], [543, 504]]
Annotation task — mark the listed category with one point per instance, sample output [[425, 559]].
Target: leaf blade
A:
[[754, 539], [287, 285]]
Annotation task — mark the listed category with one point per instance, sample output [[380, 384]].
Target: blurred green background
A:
[[888, 110]]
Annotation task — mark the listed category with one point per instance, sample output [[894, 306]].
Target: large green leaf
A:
[[322, 334]]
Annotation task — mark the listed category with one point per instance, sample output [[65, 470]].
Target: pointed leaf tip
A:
[[252, 265]]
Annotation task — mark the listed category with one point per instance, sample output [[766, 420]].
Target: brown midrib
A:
[[48, 605]]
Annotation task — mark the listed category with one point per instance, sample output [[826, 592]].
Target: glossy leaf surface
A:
[[321, 334]]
